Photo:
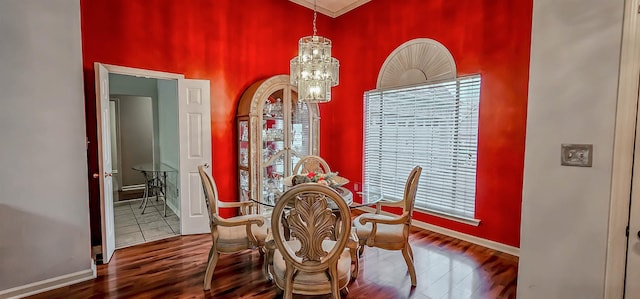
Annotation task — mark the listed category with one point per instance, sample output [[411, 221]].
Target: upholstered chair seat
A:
[[385, 233], [236, 236], [310, 283]]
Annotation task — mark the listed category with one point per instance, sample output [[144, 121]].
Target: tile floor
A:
[[132, 227]]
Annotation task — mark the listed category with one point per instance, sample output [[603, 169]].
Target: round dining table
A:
[[354, 199], [362, 198]]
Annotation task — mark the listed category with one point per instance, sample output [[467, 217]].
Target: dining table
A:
[[155, 175], [354, 198]]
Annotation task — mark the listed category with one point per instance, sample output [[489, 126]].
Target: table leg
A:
[[163, 186], [156, 184], [145, 199]]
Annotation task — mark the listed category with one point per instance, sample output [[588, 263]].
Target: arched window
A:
[[422, 114]]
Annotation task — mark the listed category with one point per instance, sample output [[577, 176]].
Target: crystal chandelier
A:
[[314, 71]]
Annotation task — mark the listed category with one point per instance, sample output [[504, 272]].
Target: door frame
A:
[[122, 70], [623, 152], [116, 121]]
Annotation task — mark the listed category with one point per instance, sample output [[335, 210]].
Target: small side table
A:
[[155, 175]]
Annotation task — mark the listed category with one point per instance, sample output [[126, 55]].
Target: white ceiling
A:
[[332, 8]]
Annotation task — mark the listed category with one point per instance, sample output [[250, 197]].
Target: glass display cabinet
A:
[[274, 132]]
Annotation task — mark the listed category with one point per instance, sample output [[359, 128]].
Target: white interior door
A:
[[194, 120], [104, 165], [632, 287]]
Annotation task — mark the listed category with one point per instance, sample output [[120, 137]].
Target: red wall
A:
[[488, 37], [234, 43]]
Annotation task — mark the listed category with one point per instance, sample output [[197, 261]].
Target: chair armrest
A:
[[395, 220], [234, 204], [245, 206], [388, 203], [241, 220]]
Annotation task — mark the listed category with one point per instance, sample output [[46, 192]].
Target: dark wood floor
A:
[[174, 268]]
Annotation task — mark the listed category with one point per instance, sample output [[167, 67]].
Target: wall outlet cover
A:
[[576, 155]]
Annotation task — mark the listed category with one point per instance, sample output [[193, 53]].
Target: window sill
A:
[[468, 221]]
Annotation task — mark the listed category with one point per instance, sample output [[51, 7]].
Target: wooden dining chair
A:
[[312, 262], [229, 235], [391, 232], [311, 163]]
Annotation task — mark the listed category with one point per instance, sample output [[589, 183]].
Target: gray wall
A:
[[169, 142], [575, 54], [44, 211], [137, 86], [136, 136], [131, 85]]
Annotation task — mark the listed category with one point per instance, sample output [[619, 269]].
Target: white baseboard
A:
[[173, 208], [50, 284], [94, 268], [133, 187], [515, 251]]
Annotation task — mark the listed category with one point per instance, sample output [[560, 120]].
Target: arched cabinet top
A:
[[252, 100]]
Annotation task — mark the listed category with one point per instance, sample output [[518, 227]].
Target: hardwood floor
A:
[[174, 268]]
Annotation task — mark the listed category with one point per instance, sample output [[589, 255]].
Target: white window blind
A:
[[433, 125]]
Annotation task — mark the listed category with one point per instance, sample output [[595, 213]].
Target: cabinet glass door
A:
[[243, 159], [274, 149], [273, 173], [243, 145], [244, 185], [300, 130]]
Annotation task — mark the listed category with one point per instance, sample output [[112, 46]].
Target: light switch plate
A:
[[576, 155]]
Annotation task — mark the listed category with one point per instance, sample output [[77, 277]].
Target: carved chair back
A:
[[311, 163], [305, 210]]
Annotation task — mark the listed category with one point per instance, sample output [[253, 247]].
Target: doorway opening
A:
[[178, 145], [144, 131]]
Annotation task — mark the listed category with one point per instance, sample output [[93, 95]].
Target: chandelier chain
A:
[[314, 18]]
